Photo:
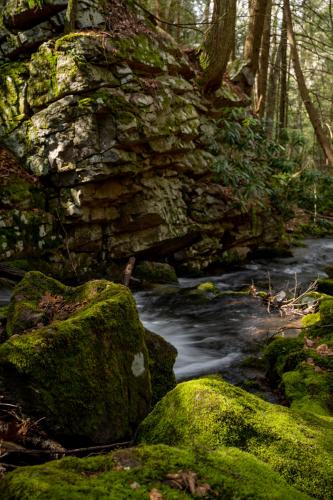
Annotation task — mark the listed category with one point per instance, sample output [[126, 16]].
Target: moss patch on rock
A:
[[303, 366], [209, 413], [156, 272], [162, 357], [133, 474], [308, 389], [325, 286]]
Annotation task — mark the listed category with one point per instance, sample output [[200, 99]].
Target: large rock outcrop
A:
[[127, 151]]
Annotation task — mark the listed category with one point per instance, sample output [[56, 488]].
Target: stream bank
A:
[[218, 335]]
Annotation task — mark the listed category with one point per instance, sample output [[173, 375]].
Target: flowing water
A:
[[5, 294], [217, 335]]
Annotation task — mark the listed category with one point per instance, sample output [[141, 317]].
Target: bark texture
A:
[[219, 42]]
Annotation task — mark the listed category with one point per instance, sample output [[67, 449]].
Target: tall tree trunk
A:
[[283, 79], [322, 138], [272, 90], [218, 44], [253, 39], [264, 61]]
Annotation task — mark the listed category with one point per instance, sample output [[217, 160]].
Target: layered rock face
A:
[[114, 127]]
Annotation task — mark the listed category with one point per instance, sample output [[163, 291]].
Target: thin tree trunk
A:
[[283, 79], [323, 140], [272, 91], [218, 43], [253, 39], [264, 61]]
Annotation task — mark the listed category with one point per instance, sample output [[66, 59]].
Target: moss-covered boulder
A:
[[156, 272], [209, 413], [77, 357], [138, 472]]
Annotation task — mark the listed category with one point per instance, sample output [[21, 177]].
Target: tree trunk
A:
[[283, 79], [253, 39], [272, 91], [218, 44], [323, 140], [264, 61]]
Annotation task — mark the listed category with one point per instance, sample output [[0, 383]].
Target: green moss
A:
[[33, 4], [325, 286], [13, 77], [77, 372], [326, 312], [24, 311], [134, 473], [162, 357], [209, 413], [62, 43], [281, 355], [141, 50], [43, 76], [308, 389], [311, 320], [208, 287], [156, 272]]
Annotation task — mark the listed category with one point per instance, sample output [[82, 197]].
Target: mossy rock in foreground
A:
[[83, 366], [209, 413], [134, 473]]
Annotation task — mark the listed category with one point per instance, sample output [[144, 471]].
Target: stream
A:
[[217, 336]]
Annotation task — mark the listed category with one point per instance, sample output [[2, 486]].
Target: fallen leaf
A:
[[308, 342], [324, 350], [155, 495], [187, 480], [202, 490]]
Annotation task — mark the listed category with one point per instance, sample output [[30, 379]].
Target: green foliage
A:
[[249, 163], [35, 4]]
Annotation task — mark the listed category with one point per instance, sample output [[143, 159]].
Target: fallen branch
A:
[[296, 299], [64, 452]]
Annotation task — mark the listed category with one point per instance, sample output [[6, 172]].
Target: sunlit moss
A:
[[209, 413], [133, 473]]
